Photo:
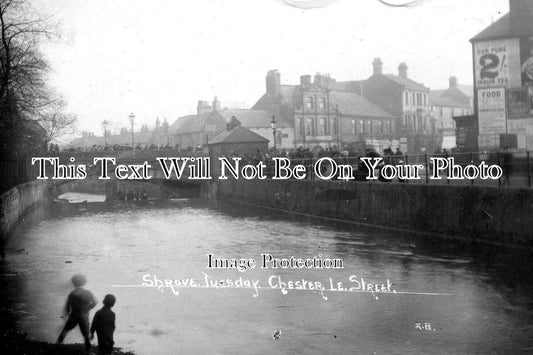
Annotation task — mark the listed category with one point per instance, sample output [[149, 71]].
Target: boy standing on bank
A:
[[104, 326], [79, 303]]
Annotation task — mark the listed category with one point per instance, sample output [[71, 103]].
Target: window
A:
[[380, 127], [425, 99], [414, 99], [387, 127], [361, 126], [369, 125], [321, 126], [406, 98], [309, 102], [333, 123], [309, 128], [297, 126], [353, 127], [322, 103]]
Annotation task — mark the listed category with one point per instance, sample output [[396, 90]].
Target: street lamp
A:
[[105, 123], [273, 125], [132, 119]]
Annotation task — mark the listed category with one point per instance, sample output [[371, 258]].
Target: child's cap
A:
[[109, 300], [78, 280]]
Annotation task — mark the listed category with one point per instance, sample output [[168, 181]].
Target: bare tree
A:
[[24, 93], [56, 121], [31, 114]]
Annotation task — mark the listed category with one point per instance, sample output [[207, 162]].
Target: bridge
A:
[[168, 168], [134, 167]]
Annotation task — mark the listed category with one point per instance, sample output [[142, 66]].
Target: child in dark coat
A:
[[104, 326]]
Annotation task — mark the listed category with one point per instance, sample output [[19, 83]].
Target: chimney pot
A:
[[305, 80], [453, 82], [378, 66], [402, 70], [273, 82]]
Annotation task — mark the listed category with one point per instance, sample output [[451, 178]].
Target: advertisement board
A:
[[497, 63], [526, 60], [491, 103], [518, 102]]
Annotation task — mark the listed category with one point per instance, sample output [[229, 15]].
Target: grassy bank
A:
[[13, 343]]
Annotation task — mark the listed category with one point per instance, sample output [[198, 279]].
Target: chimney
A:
[[165, 125], [234, 122], [402, 70], [273, 82], [203, 107], [216, 104], [521, 12], [378, 66], [305, 80], [453, 82]]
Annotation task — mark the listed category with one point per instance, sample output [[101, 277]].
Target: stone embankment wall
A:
[[19, 200], [494, 215]]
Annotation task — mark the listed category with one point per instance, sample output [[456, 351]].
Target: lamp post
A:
[[132, 119], [273, 125], [105, 123]]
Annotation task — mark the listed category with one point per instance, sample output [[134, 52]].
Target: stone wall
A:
[[17, 201], [497, 215]]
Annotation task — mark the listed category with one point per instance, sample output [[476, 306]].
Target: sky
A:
[[158, 58]]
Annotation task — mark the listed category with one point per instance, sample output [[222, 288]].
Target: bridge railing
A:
[[132, 155], [515, 168]]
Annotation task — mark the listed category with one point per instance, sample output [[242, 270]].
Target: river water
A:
[[449, 299]]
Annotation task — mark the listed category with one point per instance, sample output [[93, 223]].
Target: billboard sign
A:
[[497, 63], [491, 104], [518, 102], [526, 60]]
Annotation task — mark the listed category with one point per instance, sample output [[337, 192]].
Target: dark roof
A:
[[253, 118], [281, 105], [355, 105], [174, 126], [238, 134], [453, 97], [505, 28], [406, 82], [499, 29], [466, 90], [191, 123], [350, 86]]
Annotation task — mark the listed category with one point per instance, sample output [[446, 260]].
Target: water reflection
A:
[[489, 312]]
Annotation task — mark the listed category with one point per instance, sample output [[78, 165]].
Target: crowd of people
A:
[[124, 147]]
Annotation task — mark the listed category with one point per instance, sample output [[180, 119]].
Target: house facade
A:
[[404, 99], [446, 104], [323, 117]]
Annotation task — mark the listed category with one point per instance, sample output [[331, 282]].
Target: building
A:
[[260, 122], [446, 104], [195, 131], [144, 137], [503, 80], [325, 118], [362, 124], [404, 99], [235, 140]]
